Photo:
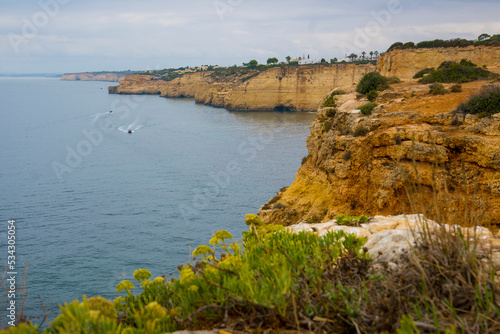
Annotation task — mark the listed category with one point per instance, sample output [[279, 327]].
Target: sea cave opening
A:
[[282, 108]]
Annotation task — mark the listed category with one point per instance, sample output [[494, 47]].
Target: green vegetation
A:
[[392, 80], [437, 89], [456, 88], [371, 81], [361, 131], [326, 126], [330, 100], [366, 109], [486, 103], [253, 63], [483, 39], [284, 281], [304, 159], [273, 60], [450, 71], [349, 220], [423, 72], [372, 95]]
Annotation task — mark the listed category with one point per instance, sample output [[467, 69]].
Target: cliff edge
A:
[[411, 151], [294, 88], [404, 64], [87, 76]]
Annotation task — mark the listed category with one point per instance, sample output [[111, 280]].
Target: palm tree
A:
[[288, 58], [371, 55], [363, 54], [352, 56], [376, 53]]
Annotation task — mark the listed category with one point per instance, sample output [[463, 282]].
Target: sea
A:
[[100, 185]]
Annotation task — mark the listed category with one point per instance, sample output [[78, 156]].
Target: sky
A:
[[65, 36]]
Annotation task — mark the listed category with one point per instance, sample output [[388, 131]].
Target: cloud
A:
[[84, 35]]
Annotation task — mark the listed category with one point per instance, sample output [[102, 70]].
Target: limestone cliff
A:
[[404, 64], [412, 143], [87, 76], [299, 88]]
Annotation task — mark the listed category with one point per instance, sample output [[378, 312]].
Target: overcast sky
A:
[[40, 36]]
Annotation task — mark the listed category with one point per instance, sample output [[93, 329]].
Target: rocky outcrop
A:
[[404, 64], [297, 88], [412, 154], [391, 237], [87, 76]]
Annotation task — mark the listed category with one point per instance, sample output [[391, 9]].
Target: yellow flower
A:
[[187, 276], [156, 310], [220, 236], [193, 288], [103, 306], [235, 247], [252, 219], [142, 274], [202, 250], [233, 262], [159, 280], [124, 285]]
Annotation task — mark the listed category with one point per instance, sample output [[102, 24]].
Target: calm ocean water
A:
[[93, 203]]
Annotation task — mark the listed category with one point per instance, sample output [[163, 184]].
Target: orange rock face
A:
[[299, 88], [412, 154], [404, 64]]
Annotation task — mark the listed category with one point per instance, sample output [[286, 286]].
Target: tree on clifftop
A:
[[482, 37], [288, 58], [272, 60], [253, 63]]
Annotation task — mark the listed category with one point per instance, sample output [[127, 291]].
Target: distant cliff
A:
[[404, 64], [297, 88], [87, 76]]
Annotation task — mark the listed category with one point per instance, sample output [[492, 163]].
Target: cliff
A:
[[404, 64], [298, 88], [87, 76], [411, 144]]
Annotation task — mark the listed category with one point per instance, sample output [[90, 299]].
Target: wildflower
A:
[[252, 219], [233, 262], [202, 250], [103, 306], [156, 310], [159, 280], [142, 274], [193, 288], [117, 302], [187, 276], [220, 236], [125, 285]]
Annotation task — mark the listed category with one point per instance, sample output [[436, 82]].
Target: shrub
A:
[[486, 103], [372, 95], [437, 89], [338, 92], [326, 126], [366, 109], [304, 159], [347, 155], [349, 220], [456, 88], [371, 81], [450, 71], [278, 197], [423, 72], [392, 80], [330, 112], [361, 131]]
